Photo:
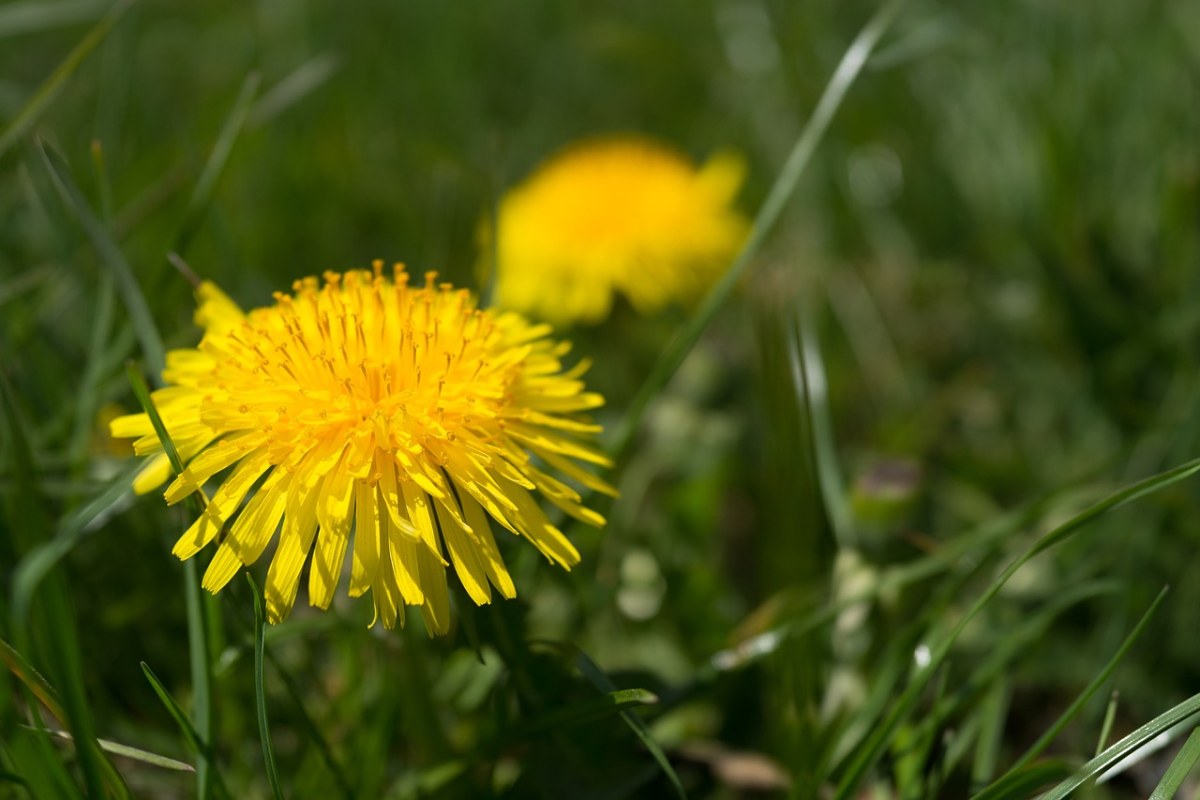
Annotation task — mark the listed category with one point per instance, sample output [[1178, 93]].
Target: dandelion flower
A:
[[615, 215], [401, 418]]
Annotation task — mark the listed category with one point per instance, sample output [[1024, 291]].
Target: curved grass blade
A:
[[125, 751], [56, 624], [41, 559], [874, 746], [260, 693], [1110, 716], [202, 196], [1046, 738], [34, 16], [764, 222], [305, 79], [53, 84], [25, 672], [127, 285], [596, 676], [1024, 782], [1183, 714], [586, 711], [190, 735], [1180, 768], [198, 628]]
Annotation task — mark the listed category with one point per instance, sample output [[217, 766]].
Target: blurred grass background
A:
[[984, 294]]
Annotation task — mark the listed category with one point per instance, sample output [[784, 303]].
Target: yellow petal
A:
[[490, 553], [436, 610], [402, 556], [366, 538], [222, 506], [153, 475], [210, 462], [334, 510], [533, 523], [464, 555]]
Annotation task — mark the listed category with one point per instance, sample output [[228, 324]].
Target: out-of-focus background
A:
[[983, 301]]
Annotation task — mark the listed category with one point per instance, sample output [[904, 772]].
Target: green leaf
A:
[[34, 567], [53, 84], [198, 627], [1024, 782], [1183, 714], [1046, 738], [206, 186], [124, 750], [764, 222], [596, 676], [111, 256], [585, 711], [867, 755], [1180, 768], [33, 679], [56, 623], [260, 693], [305, 79]]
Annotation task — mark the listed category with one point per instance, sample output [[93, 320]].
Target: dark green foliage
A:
[[898, 500]]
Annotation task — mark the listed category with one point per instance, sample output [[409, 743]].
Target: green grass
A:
[[899, 497]]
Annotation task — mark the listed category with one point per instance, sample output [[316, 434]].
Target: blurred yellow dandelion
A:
[[404, 414], [615, 215]]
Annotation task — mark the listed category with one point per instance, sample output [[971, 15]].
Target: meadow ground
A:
[[898, 525]]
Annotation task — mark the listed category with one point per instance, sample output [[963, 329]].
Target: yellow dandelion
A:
[[402, 418], [615, 215]]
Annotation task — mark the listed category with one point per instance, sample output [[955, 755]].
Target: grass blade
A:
[[41, 559], [586, 711], [125, 751], [56, 624], [260, 693], [53, 84], [875, 744], [306, 78], [201, 198], [1183, 764], [1110, 715], [127, 285], [198, 626], [1184, 713], [33, 16], [596, 676], [194, 741], [1024, 782], [33, 679], [1046, 738], [764, 222]]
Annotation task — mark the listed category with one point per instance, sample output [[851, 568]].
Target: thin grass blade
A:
[[596, 676], [768, 215], [260, 692], [306, 78], [125, 751], [50, 88], [201, 198], [1046, 738], [198, 626], [1024, 783], [127, 284], [1180, 768], [25, 672], [866, 757], [586, 711], [1183, 714]]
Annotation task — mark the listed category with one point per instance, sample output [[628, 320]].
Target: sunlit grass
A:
[[899, 497]]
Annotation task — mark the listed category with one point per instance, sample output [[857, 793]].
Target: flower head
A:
[[615, 215], [403, 414]]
